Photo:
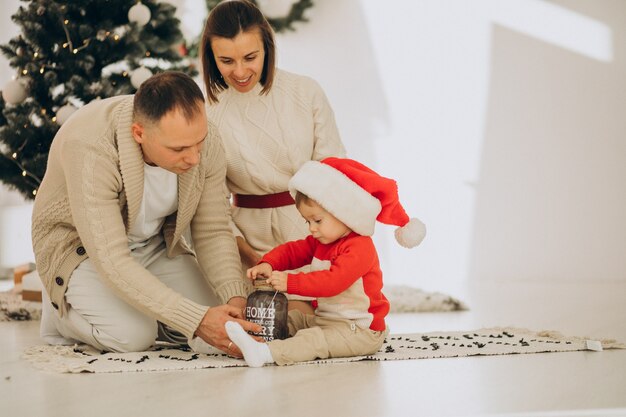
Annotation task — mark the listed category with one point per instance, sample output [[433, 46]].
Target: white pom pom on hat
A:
[[357, 196], [411, 234]]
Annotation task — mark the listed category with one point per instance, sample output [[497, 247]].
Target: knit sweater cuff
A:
[[232, 289], [188, 317], [293, 284]]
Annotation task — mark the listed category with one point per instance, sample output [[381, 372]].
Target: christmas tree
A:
[[70, 53]]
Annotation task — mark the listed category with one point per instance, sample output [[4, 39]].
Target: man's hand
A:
[[212, 330], [240, 303]]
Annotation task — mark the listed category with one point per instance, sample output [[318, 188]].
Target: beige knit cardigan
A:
[[90, 197]]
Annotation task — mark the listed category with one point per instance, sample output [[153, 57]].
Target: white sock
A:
[[255, 353]]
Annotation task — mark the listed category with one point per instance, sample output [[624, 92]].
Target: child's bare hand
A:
[[263, 269], [278, 280]]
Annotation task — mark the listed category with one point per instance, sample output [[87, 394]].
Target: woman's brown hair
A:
[[227, 20]]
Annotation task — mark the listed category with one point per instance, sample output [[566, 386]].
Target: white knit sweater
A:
[[267, 138]]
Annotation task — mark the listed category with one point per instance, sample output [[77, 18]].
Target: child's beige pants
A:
[[316, 337]]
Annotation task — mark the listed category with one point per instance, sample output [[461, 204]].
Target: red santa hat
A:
[[358, 197]]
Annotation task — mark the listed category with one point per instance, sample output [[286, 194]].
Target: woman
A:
[[271, 122]]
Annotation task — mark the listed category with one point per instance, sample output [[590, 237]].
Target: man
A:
[[126, 177]]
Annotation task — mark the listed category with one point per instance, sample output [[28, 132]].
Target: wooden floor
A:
[[549, 384]]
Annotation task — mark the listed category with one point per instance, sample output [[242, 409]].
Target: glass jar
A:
[[268, 308]]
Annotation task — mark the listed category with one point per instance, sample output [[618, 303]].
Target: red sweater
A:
[[345, 277]]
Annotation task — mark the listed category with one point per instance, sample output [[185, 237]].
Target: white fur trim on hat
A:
[[411, 234], [338, 195]]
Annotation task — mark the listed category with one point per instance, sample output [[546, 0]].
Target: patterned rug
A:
[[403, 299], [13, 308], [494, 341]]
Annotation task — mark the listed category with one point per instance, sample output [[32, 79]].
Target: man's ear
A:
[[138, 132]]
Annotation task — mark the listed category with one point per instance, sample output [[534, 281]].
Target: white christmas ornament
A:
[[275, 9], [64, 113], [14, 92], [140, 14], [140, 75]]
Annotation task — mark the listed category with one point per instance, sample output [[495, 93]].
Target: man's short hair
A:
[[164, 92]]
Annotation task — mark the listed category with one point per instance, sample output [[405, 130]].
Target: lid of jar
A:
[[261, 284]]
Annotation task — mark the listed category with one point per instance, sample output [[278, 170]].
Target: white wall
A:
[[502, 122]]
